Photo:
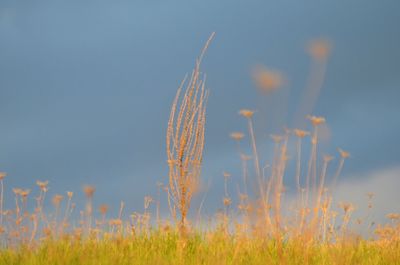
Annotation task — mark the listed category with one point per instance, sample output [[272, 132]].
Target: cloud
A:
[[382, 183]]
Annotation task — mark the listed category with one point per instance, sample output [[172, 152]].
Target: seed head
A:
[[267, 80], [24, 193], [57, 200], [227, 201], [89, 191], [70, 194], [393, 216], [226, 175], [328, 158], [42, 184], [347, 207], [245, 157], [343, 153], [103, 209], [276, 138], [315, 121], [17, 191], [246, 113], [2, 175], [319, 49], [237, 136], [300, 133]]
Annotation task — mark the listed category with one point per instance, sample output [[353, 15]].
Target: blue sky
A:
[[86, 88]]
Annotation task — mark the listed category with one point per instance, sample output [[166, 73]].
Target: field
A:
[[265, 227]]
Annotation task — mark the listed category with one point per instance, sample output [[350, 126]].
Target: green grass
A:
[[215, 248]]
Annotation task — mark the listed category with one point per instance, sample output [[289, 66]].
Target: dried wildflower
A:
[[319, 49], [89, 191], [343, 154], [370, 195], [300, 133], [147, 201], [17, 191], [246, 113], [393, 216], [315, 121], [347, 207], [116, 222], [227, 201], [2, 175], [226, 174], [267, 80], [276, 138], [42, 184], [237, 136], [103, 209], [57, 199], [328, 158], [24, 193], [245, 157]]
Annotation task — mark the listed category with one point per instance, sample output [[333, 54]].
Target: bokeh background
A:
[[86, 88]]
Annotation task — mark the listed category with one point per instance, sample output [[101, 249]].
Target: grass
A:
[[214, 248], [263, 228]]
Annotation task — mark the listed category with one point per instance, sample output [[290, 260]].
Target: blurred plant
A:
[[185, 140]]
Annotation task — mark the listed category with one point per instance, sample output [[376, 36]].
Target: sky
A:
[[86, 89]]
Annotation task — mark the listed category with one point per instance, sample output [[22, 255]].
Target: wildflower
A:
[[42, 184], [343, 154], [89, 191], [24, 193], [300, 133], [237, 136], [245, 157], [2, 175], [226, 174], [70, 194], [103, 209], [328, 158], [276, 138], [267, 80], [57, 200], [319, 49], [147, 201], [347, 207], [246, 113], [17, 191], [393, 216], [227, 201], [315, 121]]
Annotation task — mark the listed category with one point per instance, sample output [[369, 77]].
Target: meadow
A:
[[266, 226]]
